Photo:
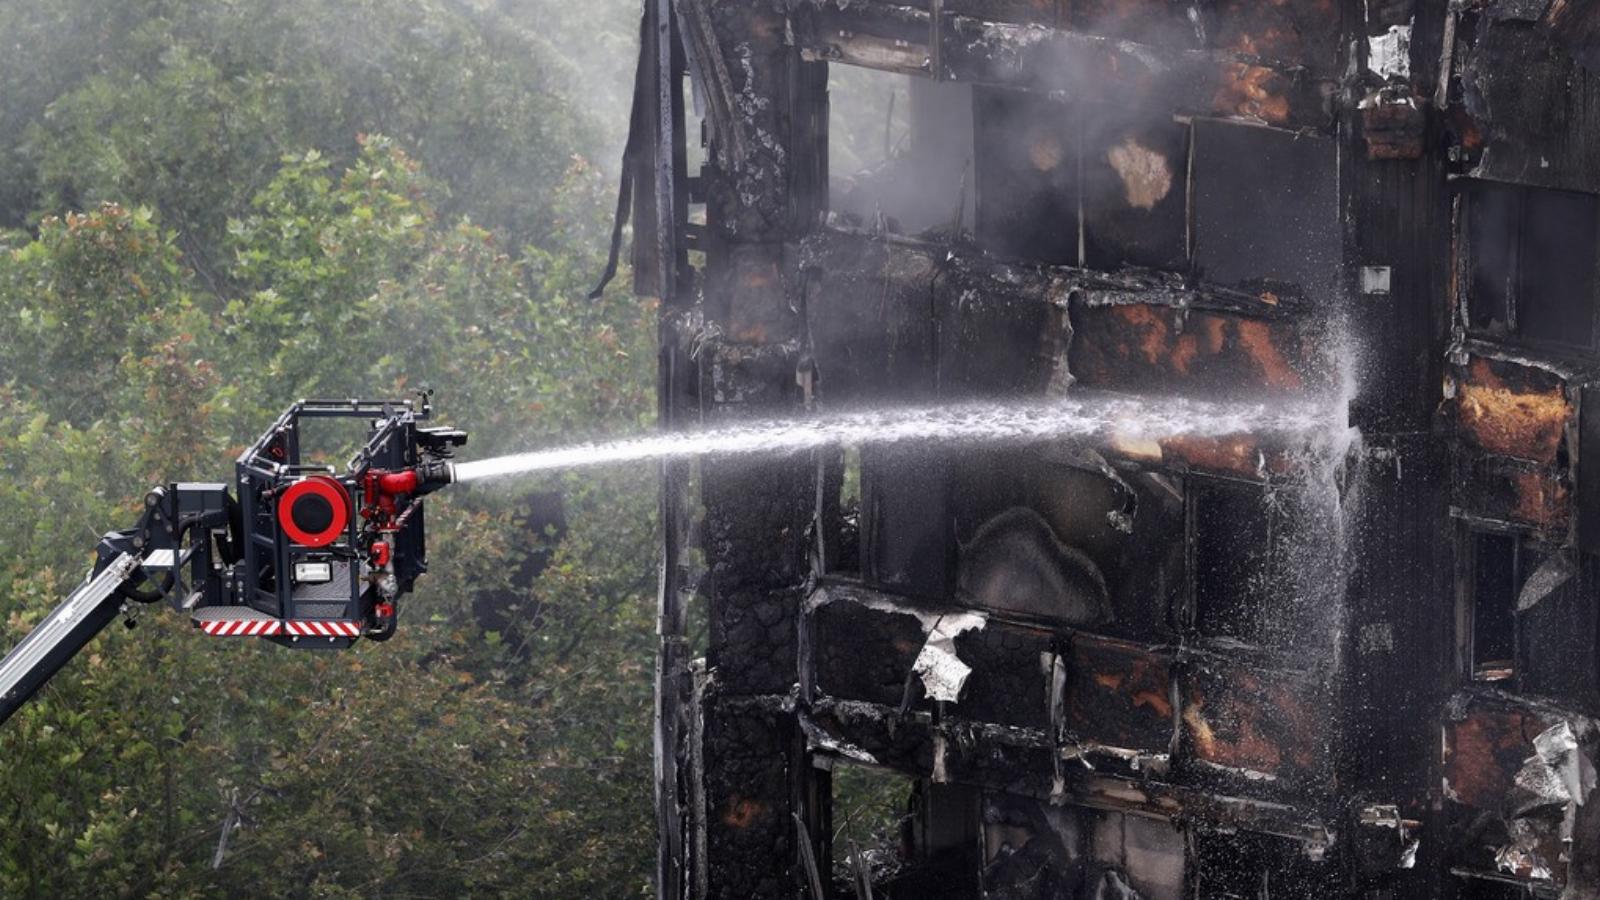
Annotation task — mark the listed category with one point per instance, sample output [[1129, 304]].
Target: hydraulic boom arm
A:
[[84, 614]]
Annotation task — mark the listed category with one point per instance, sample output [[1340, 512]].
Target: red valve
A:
[[381, 489], [396, 482]]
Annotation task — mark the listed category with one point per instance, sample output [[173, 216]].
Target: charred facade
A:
[[1359, 663]]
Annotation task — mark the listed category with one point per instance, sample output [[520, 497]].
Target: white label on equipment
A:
[[313, 573]]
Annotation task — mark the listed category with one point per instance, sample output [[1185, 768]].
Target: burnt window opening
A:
[[1027, 177], [1034, 849], [1265, 207], [840, 515], [906, 543], [1237, 205], [1250, 866], [872, 813], [1531, 259], [1231, 535], [899, 152], [1080, 184], [1042, 539], [1494, 604], [1499, 565], [696, 157], [1135, 179], [1558, 626], [907, 837], [1144, 854]]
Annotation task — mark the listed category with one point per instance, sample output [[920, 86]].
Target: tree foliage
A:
[[209, 222], [188, 104]]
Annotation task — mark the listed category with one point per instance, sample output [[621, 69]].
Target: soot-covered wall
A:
[[1356, 660]]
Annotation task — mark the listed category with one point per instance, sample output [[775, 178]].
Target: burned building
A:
[[1360, 662]]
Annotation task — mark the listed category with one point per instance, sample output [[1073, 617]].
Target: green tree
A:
[[448, 761], [210, 236], [187, 105]]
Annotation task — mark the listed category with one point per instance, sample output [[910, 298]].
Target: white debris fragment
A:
[[1389, 54], [822, 740], [1557, 570], [1557, 773], [1522, 863], [1408, 856], [1058, 790], [942, 671]]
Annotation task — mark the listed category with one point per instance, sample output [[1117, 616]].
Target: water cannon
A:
[[296, 551]]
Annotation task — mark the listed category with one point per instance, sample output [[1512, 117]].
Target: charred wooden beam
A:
[[1239, 78], [1116, 702], [656, 158], [1018, 761]]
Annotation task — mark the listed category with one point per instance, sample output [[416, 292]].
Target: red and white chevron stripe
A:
[[310, 628], [268, 627], [242, 627]]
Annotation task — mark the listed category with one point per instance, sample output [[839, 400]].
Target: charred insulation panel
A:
[[1246, 662]]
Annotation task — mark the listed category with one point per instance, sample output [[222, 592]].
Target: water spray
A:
[[1082, 417]]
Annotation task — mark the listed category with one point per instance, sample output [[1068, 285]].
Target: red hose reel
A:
[[314, 511]]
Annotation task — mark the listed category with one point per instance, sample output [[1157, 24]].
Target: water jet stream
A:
[[1082, 417]]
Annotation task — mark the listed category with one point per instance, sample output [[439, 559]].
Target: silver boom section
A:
[[25, 669]]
